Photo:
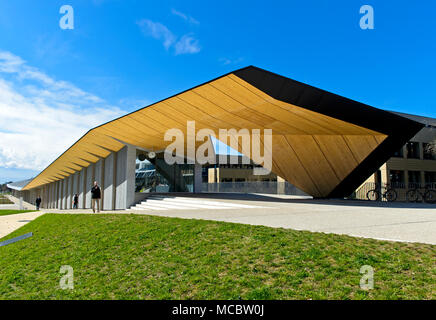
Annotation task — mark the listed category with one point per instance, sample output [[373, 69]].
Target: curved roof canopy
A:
[[324, 144], [18, 185]]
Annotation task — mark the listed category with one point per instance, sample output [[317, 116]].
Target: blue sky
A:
[[122, 55]]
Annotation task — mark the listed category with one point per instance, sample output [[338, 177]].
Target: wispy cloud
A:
[[42, 116], [185, 17], [10, 63], [158, 31], [187, 44], [227, 61]]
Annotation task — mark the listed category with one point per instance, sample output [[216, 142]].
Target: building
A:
[[236, 169], [237, 175], [17, 187], [412, 165], [323, 144]]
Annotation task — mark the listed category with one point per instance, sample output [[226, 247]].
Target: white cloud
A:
[[185, 17], [158, 31], [187, 44], [227, 61], [9, 63], [40, 117]]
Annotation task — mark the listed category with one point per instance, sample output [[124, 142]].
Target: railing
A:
[[400, 188], [266, 187]]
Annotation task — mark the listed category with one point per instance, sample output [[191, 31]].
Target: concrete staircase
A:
[[162, 202]]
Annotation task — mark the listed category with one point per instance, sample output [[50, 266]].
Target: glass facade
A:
[[399, 153], [430, 177], [155, 175], [414, 178], [413, 150], [396, 176]]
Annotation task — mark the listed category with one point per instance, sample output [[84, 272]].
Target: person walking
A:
[[95, 196], [38, 202], [76, 201]]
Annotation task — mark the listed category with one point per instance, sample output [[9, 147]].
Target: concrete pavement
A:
[[12, 222], [378, 220]]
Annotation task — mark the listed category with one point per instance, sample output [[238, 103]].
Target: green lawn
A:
[[8, 212], [145, 257]]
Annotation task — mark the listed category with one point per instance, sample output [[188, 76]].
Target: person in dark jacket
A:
[[76, 201], [95, 196], [38, 202]]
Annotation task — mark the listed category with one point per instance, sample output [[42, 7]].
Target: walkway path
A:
[[12, 222], [384, 221]]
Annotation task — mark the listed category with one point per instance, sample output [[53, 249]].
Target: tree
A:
[[4, 187]]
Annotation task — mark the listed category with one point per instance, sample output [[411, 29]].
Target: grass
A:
[[8, 212], [145, 257]]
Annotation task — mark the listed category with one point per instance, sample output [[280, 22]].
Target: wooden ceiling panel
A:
[[312, 158], [360, 146], [328, 124], [291, 167], [337, 154], [214, 108]]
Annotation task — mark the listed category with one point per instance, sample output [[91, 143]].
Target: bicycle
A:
[[390, 194], [428, 196]]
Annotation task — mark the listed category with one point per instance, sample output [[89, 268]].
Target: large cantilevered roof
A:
[[18, 185], [323, 143]]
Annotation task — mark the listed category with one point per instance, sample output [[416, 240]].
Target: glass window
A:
[[414, 178], [399, 153], [429, 151], [430, 177], [412, 150], [396, 176]]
